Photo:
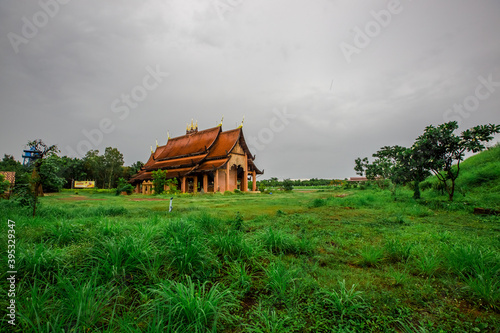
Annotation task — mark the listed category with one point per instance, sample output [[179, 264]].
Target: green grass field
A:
[[320, 261]]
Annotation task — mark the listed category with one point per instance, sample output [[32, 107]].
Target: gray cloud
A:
[[262, 56]]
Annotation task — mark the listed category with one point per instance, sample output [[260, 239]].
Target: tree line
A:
[[57, 172], [438, 151]]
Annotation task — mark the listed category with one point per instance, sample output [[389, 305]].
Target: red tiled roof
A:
[[212, 165], [10, 176], [173, 163], [225, 143], [189, 144]]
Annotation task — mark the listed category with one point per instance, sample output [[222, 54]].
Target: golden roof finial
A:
[[187, 127], [168, 135], [156, 143], [196, 125], [221, 121], [242, 122], [192, 127], [151, 149]]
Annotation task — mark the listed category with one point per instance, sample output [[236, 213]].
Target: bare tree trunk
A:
[[110, 176], [452, 190]]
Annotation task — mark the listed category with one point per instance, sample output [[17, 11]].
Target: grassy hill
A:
[[481, 172], [479, 179]]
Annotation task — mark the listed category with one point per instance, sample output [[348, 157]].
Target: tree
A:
[[72, 169], [129, 171], [38, 177], [8, 163], [443, 150], [113, 161], [49, 174], [94, 167], [287, 185], [159, 180]]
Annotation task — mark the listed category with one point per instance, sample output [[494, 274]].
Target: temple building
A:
[[210, 160]]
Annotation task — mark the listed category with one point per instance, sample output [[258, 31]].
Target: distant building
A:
[[210, 160], [10, 176], [357, 179], [361, 179]]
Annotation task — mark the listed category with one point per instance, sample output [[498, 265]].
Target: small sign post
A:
[[170, 208]]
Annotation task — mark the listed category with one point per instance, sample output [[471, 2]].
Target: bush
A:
[[124, 186], [287, 185], [4, 184], [159, 180]]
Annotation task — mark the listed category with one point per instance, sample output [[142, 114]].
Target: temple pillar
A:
[[254, 181], [137, 188], [245, 176], [195, 184], [216, 181], [227, 177], [205, 183], [183, 184], [143, 188]]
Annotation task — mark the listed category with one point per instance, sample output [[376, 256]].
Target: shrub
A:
[[124, 186], [159, 180], [318, 203]]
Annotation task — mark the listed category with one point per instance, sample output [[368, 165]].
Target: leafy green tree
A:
[[38, 177], [113, 162], [129, 171], [49, 174], [398, 164], [159, 180], [94, 167], [442, 150], [287, 185], [72, 169], [8, 163]]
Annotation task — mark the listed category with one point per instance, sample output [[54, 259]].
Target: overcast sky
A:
[[320, 82]]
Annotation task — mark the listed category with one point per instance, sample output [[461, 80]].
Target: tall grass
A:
[[191, 306], [186, 251], [345, 302], [279, 241], [397, 250], [371, 256], [281, 282], [231, 245]]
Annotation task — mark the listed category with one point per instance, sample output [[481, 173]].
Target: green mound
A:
[[479, 179]]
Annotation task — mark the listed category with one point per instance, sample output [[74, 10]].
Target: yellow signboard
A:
[[84, 184]]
